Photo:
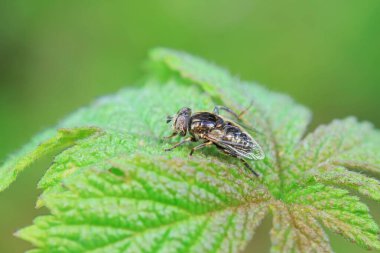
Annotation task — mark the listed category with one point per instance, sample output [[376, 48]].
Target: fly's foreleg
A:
[[207, 143], [179, 143], [249, 167], [170, 136]]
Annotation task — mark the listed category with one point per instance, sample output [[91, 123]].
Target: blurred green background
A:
[[56, 56]]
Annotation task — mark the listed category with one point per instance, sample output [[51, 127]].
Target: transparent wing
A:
[[254, 151]]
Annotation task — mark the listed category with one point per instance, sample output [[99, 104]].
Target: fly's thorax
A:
[[203, 122], [202, 126]]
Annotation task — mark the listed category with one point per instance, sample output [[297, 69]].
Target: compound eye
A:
[[181, 125]]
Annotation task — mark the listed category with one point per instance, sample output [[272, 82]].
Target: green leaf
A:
[[296, 231], [346, 143], [58, 140], [149, 206], [339, 176], [130, 125], [119, 190], [338, 211]]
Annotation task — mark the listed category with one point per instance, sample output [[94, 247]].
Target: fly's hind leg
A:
[[179, 143], [225, 108], [245, 110], [207, 143], [249, 167], [237, 116]]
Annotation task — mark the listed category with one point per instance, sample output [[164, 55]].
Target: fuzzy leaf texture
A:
[[112, 188]]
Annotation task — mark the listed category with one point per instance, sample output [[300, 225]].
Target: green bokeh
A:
[[56, 56]]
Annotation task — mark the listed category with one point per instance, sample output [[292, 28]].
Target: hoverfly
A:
[[213, 129]]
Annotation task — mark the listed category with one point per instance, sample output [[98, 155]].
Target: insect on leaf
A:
[[112, 188]]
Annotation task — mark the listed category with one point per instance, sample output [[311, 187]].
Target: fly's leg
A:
[[225, 108], [245, 110], [237, 116], [207, 143], [170, 136], [249, 167], [180, 143]]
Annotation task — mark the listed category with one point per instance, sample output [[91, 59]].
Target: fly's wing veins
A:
[[253, 151]]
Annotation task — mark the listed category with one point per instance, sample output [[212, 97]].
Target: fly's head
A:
[[180, 121]]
